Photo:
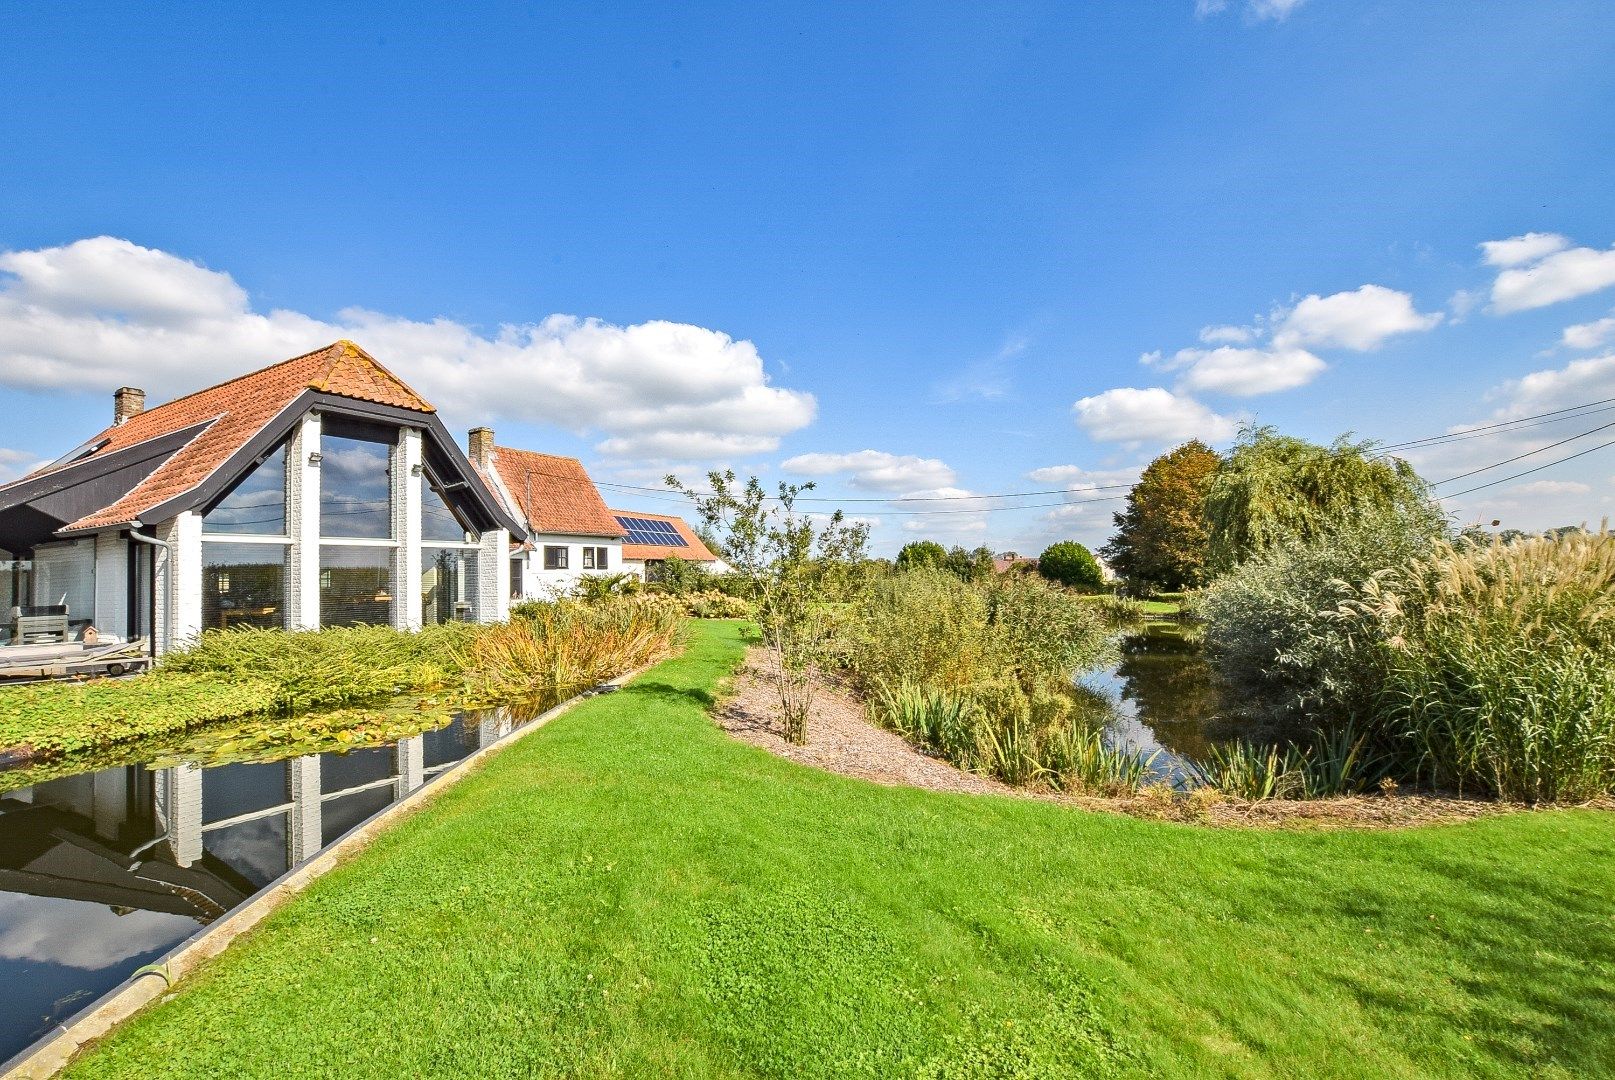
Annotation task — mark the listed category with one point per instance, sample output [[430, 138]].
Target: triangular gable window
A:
[[439, 522], [257, 504]]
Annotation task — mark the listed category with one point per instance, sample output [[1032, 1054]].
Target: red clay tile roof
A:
[[554, 494], [695, 552], [235, 411]]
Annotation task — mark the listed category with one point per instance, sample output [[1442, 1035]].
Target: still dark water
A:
[[1164, 696], [105, 871]]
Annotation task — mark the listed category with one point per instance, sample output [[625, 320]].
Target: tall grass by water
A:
[[1498, 665]]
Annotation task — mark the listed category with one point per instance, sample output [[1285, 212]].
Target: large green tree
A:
[[1272, 488], [919, 554], [1161, 539], [1069, 563]]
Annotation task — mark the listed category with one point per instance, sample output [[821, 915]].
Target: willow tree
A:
[[1272, 488]]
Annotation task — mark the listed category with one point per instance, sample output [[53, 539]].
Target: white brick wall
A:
[[406, 488], [493, 576]]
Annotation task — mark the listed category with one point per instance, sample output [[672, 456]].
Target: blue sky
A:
[[912, 253]]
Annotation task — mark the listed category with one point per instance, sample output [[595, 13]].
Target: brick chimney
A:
[[127, 402], [479, 446]]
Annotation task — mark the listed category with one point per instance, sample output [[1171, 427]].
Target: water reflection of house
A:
[[320, 491], [195, 841]]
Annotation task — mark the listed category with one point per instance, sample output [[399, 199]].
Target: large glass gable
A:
[[355, 487], [256, 505]]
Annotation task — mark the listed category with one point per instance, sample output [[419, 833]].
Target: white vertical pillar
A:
[[306, 822], [410, 758], [493, 576], [406, 485], [185, 578], [179, 808], [303, 523]]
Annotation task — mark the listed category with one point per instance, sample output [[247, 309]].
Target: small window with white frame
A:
[[595, 558], [555, 556]]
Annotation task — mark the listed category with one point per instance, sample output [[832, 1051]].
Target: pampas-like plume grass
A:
[[1500, 664]]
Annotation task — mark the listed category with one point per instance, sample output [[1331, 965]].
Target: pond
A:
[[104, 871], [1165, 698]]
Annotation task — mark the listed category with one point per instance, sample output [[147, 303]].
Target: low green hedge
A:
[[49, 719]]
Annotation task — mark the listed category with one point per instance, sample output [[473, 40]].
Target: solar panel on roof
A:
[[651, 531]]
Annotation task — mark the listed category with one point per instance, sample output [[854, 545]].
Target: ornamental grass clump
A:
[[552, 649], [1499, 665]]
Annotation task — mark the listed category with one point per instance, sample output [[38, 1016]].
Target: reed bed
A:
[[1051, 744]]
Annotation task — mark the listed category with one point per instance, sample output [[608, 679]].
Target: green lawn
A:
[[630, 892]]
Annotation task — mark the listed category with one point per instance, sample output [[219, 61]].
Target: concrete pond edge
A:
[[52, 1053]]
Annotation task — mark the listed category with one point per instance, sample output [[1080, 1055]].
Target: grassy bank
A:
[[630, 892]]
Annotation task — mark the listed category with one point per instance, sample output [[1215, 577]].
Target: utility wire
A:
[[1528, 453], [1528, 472]]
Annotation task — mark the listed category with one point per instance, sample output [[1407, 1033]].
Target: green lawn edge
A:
[[630, 892]]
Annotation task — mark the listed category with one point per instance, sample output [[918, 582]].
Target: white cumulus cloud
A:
[[1545, 271], [15, 463], [1244, 372], [875, 470], [1361, 320], [1149, 415], [1589, 335], [1277, 353], [1275, 10], [1526, 248], [103, 312], [1551, 487]]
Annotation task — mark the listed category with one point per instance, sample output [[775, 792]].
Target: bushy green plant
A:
[[1070, 564], [932, 628], [1078, 759], [50, 719], [1499, 664], [1337, 762], [314, 669], [1273, 628]]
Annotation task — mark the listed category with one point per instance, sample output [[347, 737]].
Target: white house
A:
[[320, 491], [570, 533]]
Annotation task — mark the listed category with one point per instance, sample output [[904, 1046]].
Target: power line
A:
[[1528, 453], [1518, 420], [1528, 472]]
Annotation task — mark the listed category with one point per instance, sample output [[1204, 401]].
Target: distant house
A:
[[1006, 561], [320, 491], [570, 532], [652, 539]]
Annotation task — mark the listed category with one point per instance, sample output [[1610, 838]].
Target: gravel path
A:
[[840, 739]]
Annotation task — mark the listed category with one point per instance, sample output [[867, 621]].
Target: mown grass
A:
[[629, 892]]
